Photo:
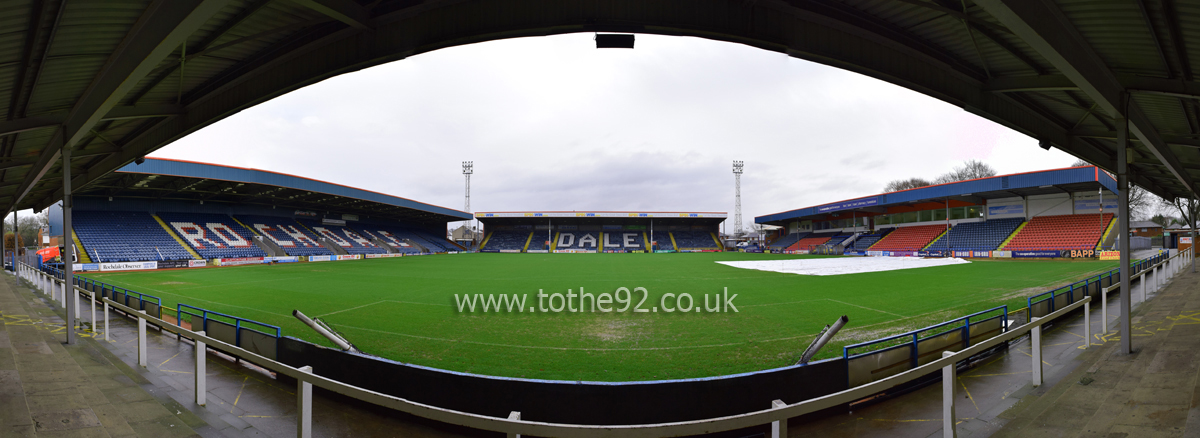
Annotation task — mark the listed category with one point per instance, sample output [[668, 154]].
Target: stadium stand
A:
[[507, 240], [213, 235], [1074, 231], [589, 240], [637, 241], [692, 239], [865, 241], [388, 237], [344, 237], [786, 241], [125, 236], [809, 242], [423, 238], [838, 239], [289, 235], [977, 236], [664, 240], [909, 238]]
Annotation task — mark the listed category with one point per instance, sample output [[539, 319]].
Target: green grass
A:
[[404, 309]]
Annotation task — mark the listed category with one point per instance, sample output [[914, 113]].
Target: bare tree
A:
[[973, 169], [970, 169], [905, 184]]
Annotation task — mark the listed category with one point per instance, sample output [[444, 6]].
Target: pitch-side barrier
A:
[[774, 413]]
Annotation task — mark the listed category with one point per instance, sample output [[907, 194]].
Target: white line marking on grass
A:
[[380, 302], [865, 307]]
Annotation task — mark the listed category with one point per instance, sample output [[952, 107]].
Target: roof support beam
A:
[[1045, 28], [161, 29], [345, 11], [1134, 84], [117, 113]]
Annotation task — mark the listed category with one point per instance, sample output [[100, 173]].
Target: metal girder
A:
[[117, 113], [346, 11], [1045, 28], [1132, 83], [162, 27]]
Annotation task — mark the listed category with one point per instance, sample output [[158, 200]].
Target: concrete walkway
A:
[[49, 389], [1153, 392]]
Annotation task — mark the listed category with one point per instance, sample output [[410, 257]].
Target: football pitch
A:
[[405, 308]]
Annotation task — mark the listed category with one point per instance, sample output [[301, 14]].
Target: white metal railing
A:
[[776, 413]]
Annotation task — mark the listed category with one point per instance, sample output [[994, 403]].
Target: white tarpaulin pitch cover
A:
[[843, 265]]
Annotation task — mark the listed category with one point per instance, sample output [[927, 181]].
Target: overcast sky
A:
[[552, 123]]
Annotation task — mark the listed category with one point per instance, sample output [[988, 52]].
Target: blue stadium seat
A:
[[977, 236], [125, 236], [293, 238], [508, 240], [346, 238], [213, 235]]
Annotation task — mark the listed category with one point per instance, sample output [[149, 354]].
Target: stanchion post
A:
[[949, 378], [304, 406], [142, 339], [1087, 324], [514, 415], [1036, 346], [106, 320], [201, 387], [779, 427]]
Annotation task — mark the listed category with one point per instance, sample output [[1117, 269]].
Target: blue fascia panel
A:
[[190, 169]]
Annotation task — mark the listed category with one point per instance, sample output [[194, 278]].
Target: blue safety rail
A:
[[206, 315], [129, 298], [1075, 291], [916, 336]]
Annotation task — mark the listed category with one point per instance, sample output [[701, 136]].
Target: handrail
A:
[[524, 427]]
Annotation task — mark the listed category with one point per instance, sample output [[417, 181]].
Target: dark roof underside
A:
[[117, 79]]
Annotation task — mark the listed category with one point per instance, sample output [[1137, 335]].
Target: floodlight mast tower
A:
[[737, 196], [468, 168]]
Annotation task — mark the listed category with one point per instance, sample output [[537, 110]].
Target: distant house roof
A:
[[1144, 224]]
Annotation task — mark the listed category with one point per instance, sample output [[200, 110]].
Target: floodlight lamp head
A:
[[468, 167], [737, 167]]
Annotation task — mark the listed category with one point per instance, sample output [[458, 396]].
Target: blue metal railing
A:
[[916, 337], [238, 322]]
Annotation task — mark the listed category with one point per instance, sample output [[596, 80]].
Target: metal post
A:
[[142, 339], [201, 387], [304, 406], [106, 320], [93, 314], [779, 427], [1145, 279], [1123, 211], [1103, 311], [1087, 324], [74, 301], [514, 415], [1036, 346], [68, 255], [949, 378]]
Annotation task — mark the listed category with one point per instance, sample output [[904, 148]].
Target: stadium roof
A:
[[159, 178], [113, 80], [975, 191], [601, 217]]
